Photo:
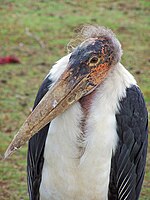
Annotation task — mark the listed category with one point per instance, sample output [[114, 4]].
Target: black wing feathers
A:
[[36, 146], [128, 163]]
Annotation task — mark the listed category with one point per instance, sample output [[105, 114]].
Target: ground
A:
[[37, 33]]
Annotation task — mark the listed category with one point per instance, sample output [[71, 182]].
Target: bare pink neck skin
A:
[[86, 103]]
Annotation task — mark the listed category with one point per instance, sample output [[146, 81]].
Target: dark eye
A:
[[94, 59]]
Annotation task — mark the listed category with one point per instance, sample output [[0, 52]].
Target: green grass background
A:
[[51, 24]]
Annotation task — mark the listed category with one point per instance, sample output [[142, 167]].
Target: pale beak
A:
[[67, 90], [78, 80]]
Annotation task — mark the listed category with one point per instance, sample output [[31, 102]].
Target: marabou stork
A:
[[90, 121]]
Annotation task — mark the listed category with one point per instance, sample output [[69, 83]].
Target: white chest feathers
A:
[[70, 175]]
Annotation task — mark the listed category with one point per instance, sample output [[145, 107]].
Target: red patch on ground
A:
[[8, 59]]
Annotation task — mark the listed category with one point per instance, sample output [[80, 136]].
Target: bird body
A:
[[88, 127], [77, 163]]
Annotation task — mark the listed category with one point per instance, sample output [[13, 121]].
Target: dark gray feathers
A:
[[128, 162], [36, 146]]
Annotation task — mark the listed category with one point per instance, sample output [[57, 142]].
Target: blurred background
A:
[[33, 35]]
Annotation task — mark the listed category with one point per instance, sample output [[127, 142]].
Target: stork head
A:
[[91, 60], [87, 68]]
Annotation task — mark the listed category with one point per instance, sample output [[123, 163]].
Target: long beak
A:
[[61, 95], [70, 87]]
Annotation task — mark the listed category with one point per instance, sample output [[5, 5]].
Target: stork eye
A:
[[94, 60]]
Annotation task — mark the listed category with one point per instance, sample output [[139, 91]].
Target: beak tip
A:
[[9, 151]]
